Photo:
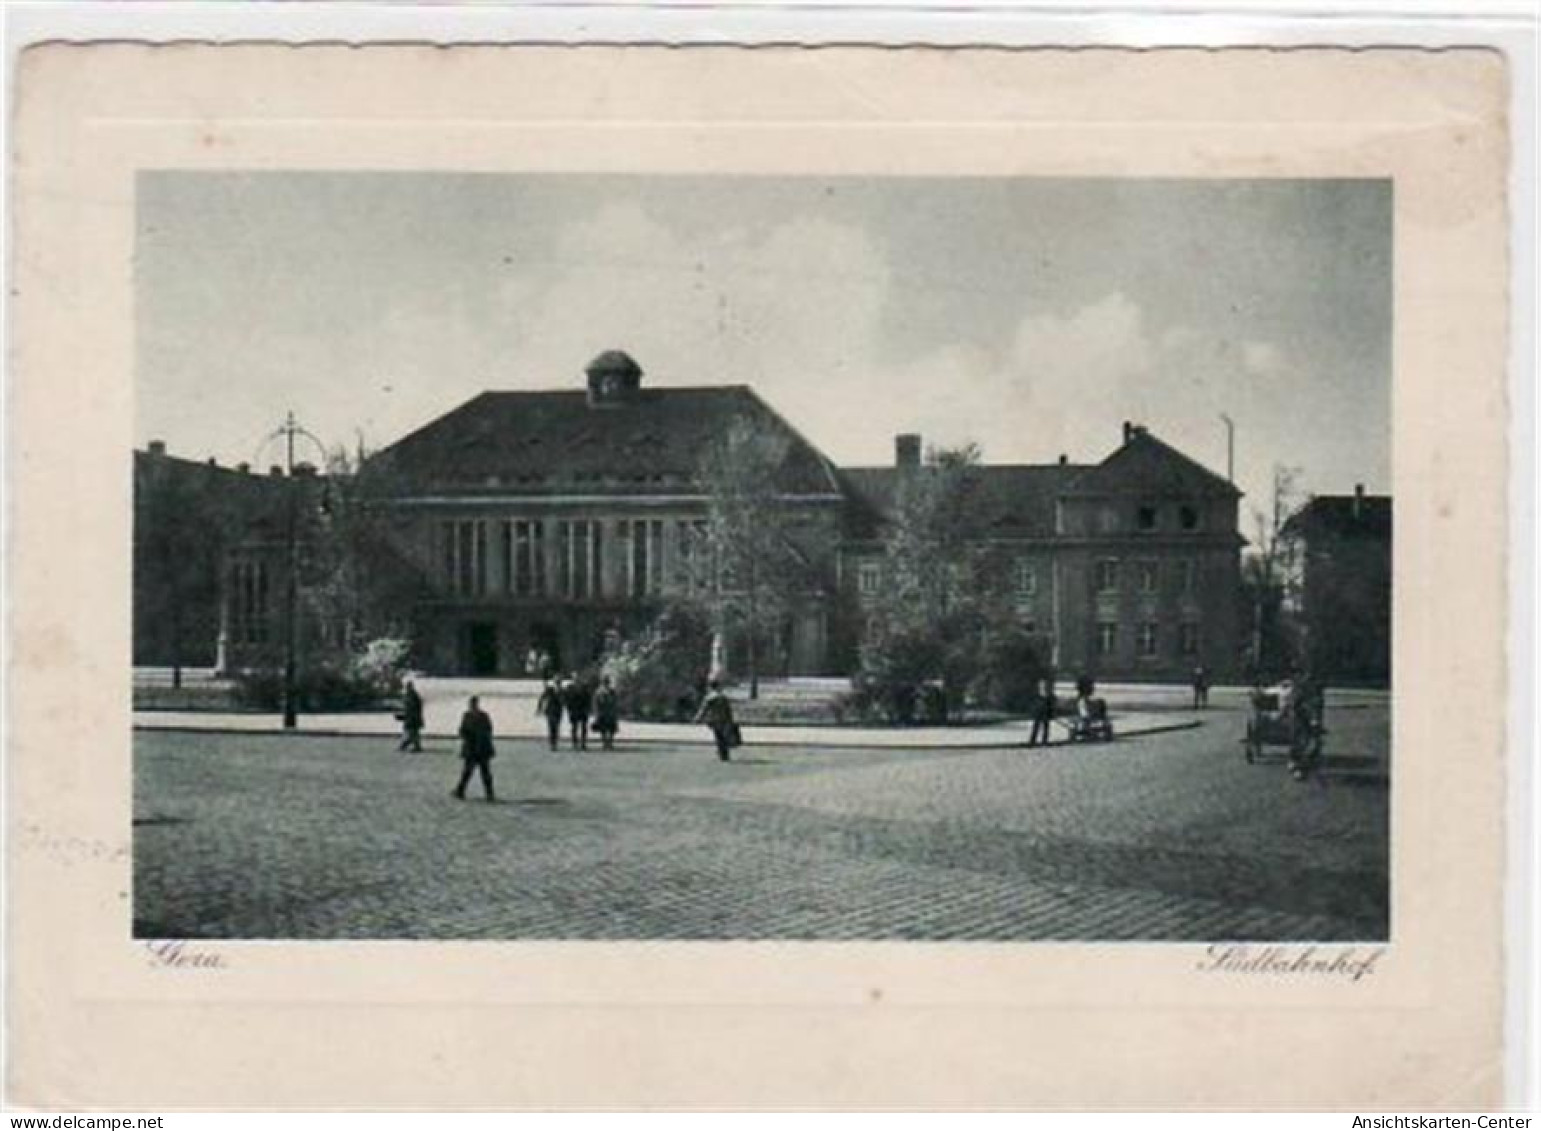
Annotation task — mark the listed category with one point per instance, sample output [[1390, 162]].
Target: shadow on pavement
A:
[[1349, 762], [1362, 781]]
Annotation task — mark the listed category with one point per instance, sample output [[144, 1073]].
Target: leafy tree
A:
[[942, 594], [656, 674]]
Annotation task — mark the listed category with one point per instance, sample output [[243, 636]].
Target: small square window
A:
[[1145, 518], [1188, 518]]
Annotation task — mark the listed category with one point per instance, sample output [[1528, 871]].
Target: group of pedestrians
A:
[[582, 705]]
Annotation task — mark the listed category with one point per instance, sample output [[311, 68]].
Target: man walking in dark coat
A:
[[550, 705], [717, 713], [1043, 713], [476, 749], [411, 720], [579, 699]]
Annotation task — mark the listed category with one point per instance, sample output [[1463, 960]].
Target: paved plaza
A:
[[1164, 836]]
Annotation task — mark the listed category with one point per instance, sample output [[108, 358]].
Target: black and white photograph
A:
[[765, 574], [708, 557]]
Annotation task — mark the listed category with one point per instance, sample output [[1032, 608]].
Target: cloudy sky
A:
[[1030, 315]]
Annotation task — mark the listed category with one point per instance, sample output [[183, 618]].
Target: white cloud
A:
[[794, 305], [1263, 358]]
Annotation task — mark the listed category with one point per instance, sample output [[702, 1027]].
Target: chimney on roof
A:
[[1128, 431], [157, 447], [907, 451], [275, 471], [1358, 499], [243, 467], [1063, 459], [305, 470]]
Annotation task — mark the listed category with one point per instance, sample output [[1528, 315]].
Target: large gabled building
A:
[[555, 521]]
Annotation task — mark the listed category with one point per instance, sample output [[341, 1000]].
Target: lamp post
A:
[[289, 431]]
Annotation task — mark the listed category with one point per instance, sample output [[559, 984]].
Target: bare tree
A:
[[751, 570], [1271, 569], [353, 579]]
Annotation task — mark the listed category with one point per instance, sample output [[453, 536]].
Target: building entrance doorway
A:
[[547, 642], [481, 648]]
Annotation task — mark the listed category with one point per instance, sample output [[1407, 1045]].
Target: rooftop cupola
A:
[[614, 379]]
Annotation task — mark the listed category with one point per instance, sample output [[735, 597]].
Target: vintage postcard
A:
[[960, 575]]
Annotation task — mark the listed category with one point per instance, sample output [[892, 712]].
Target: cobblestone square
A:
[[1160, 837]]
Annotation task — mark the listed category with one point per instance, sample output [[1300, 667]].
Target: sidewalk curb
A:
[[395, 736]]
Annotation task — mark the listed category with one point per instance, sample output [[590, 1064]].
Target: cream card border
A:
[[96, 1023]]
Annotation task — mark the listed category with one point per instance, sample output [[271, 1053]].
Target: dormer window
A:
[[1145, 517], [1188, 517]]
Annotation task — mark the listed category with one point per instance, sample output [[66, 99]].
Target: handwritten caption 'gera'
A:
[[177, 955]]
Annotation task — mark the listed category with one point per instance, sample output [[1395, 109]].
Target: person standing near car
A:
[[476, 750], [717, 712]]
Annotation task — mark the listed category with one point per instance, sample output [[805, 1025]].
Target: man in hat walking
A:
[[476, 750]]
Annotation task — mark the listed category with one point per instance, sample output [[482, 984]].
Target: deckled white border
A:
[[1506, 26]]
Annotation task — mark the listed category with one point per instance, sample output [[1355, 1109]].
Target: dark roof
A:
[[1146, 465], [554, 442], [169, 489], [1335, 515], [1009, 500]]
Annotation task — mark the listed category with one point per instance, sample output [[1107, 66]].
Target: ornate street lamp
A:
[[289, 430]]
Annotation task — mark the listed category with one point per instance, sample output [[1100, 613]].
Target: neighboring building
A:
[[1127, 569], [559, 521], [1342, 559], [188, 519], [210, 559]]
